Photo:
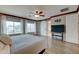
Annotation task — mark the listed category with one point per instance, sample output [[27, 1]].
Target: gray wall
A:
[[41, 28], [0, 24], [38, 28]]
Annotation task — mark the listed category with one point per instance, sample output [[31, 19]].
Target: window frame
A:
[[14, 29], [31, 24]]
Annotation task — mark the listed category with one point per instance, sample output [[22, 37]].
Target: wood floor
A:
[[59, 47]]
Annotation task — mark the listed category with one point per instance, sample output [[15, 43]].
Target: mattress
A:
[[28, 44]]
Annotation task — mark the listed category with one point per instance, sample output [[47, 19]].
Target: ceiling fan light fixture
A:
[[36, 16]]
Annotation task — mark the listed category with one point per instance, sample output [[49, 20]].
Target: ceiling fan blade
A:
[[40, 12], [36, 12], [42, 15]]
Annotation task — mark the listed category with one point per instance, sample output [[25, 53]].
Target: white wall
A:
[[72, 28], [0, 24], [3, 27], [78, 26], [58, 23], [49, 28], [43, 29]]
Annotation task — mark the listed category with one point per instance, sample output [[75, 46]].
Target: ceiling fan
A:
[[38, 13]]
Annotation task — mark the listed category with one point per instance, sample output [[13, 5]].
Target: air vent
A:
[[65, 9]]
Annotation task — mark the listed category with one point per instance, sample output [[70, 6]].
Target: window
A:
[[13, 27], [30, 27]]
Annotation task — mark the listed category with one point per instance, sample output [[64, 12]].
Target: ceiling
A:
[[26, 10]]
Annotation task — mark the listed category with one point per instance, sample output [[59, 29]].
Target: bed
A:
[[28, 44]]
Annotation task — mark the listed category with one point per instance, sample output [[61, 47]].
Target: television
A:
[[57, 28]]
